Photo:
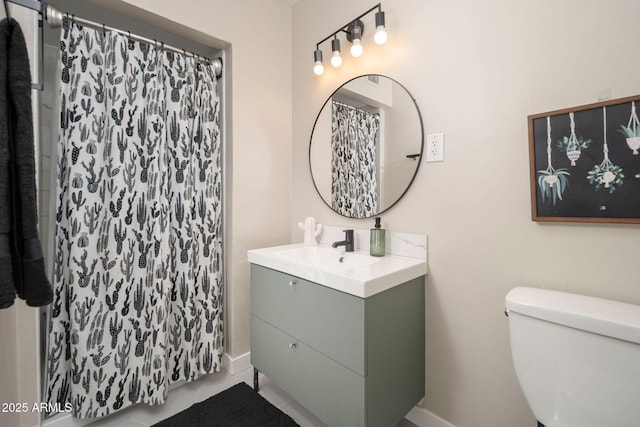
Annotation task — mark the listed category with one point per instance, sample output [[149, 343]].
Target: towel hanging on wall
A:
[[22, 269]]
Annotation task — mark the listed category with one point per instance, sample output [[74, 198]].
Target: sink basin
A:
[[326, 257], [356, 273]]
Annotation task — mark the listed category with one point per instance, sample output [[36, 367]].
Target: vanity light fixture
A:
[[353, 31]]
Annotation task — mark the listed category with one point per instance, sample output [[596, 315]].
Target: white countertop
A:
[[356, 273]]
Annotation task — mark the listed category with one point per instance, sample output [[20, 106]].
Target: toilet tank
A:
[[577, 358]]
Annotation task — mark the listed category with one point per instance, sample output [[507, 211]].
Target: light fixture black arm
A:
[[344, 27], [354, 31]]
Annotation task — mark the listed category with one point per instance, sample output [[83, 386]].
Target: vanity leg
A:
[[256, 386]]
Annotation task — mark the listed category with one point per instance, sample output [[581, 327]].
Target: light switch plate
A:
[[435, 147]]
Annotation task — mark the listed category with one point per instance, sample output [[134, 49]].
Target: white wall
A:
[[402, 126], [8, 363], [477, 69]]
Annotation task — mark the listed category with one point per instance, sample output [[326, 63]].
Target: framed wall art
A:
[[585, 163]]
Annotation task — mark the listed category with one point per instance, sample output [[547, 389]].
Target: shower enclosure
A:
[[150, 231]]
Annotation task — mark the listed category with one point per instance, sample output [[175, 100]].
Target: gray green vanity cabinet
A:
[[350, 361]]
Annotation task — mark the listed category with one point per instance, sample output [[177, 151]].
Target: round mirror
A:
[[366, 146]]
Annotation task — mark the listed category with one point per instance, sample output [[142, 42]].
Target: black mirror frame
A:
[[419, 159]]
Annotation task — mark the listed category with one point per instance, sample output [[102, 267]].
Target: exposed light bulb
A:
[[318, 68], [381, 34], [356, 48], [336, 59], [380, 37]]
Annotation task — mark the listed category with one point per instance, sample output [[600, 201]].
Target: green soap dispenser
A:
[[377, 240]]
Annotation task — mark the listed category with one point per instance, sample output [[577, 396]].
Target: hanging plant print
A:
[[606, 174], [573, 145], [552, 182], [632, 130], [597, 151]]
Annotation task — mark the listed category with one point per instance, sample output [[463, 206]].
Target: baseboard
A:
[[423, 418], [233, 365]]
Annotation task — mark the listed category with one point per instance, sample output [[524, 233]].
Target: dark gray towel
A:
[[21, 258]]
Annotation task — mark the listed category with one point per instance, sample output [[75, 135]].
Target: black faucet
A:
[[347, 242]]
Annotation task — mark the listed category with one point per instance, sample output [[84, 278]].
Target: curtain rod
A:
[[353, 107], [54, 18]]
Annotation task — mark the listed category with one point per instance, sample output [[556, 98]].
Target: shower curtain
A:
[[354, 169], [138, 258]]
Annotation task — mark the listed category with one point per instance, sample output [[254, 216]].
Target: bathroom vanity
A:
[[352, 354]]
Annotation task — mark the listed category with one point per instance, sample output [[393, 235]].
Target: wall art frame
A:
[[585, 163]]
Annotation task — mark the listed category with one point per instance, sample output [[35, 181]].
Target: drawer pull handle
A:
[[292, 283], [292, 345]]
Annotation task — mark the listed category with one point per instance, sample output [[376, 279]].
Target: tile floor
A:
[[144, 415]]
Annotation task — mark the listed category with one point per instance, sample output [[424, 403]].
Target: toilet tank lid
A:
[[605, 317]]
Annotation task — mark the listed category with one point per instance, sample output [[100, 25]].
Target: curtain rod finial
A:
[[53, 16], [217, 66]]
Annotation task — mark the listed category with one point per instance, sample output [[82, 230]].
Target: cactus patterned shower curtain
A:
[[138, 257], [354, 165]]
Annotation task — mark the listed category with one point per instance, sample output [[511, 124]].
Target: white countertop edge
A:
[[362, 288]]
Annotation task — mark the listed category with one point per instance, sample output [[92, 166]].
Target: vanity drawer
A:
[[330, 321], [332, 392]]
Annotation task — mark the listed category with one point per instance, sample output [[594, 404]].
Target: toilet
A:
[[577, 358]]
